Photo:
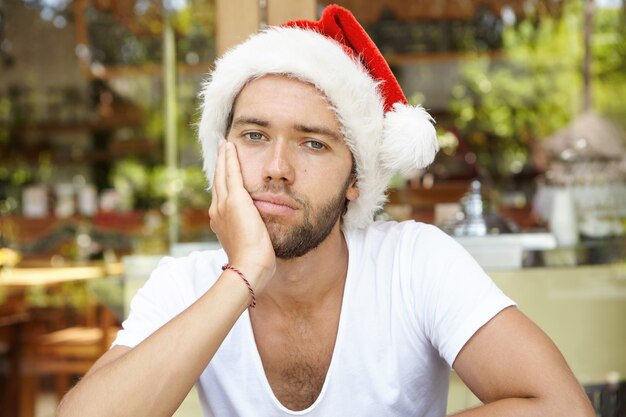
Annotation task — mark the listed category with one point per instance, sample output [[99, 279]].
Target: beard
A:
[[296, 241]]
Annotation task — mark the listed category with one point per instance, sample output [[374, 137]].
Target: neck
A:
[[310, 280]]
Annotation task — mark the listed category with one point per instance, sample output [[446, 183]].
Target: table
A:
[[15, 283], [31, 276], [581, 308]]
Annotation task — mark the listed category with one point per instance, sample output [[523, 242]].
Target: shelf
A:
[[89, 157], [418, 58], [105, 156], [77, 127], [115, 71], [146, 148]]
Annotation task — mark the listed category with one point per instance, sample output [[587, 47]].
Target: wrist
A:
[[256, 273], [232, 291], [244, 279]]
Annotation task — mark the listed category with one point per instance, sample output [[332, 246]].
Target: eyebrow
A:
[[250, 121], [320, 130]]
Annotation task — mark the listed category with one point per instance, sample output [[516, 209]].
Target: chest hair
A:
[[296, 355]]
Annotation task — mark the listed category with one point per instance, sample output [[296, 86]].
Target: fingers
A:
[[219, 180], [233, 169], [227, 176]]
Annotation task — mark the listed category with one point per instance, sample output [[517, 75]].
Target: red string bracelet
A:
[[238, 272]]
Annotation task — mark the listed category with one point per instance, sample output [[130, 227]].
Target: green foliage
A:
[[502, 107], [130, 178], [609, 64], [146, 187], [195, 16], [70, 294], [195, 194]]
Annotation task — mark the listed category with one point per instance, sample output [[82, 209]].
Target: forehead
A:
[[271, 82], [272, 95]]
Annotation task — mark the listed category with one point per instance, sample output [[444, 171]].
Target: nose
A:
[[278, 164]]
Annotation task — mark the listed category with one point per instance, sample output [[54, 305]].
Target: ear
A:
[[353, 191]]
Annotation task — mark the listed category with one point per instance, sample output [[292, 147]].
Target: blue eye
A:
[[254, 136], [318, 146]]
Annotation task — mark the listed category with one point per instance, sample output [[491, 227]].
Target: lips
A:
[[273, 204]]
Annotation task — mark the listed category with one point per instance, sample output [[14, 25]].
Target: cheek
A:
[[249, 166]]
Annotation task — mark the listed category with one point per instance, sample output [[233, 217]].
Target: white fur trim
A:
[[409, 139], [314, 58]]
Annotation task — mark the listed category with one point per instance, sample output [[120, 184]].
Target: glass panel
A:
[[130, 33], [82, 124]]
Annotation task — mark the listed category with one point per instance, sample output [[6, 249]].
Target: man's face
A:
[[294, 162]]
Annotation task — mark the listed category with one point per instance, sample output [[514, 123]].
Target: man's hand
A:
[[237, 222]]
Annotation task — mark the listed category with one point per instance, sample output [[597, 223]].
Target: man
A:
[[347, 316]]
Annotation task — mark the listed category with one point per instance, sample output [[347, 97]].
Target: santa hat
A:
[[384, 133]]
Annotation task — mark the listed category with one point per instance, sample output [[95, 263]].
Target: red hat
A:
[[339, 24], [385, 134]]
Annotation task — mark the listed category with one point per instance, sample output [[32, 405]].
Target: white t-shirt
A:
[[413, 297]]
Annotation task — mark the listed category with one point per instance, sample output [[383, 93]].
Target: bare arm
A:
[[140, 382], [153, 378], [516, 370]]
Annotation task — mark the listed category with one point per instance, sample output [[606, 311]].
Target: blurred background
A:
[[100, 169]]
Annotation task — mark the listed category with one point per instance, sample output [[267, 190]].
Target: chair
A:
[[11, 347], [66, 354], [608, 400]]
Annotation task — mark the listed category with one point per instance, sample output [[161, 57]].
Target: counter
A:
[[583, 310]]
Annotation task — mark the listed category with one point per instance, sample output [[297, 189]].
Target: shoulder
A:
[[192, 274], [418, 254], [173, 285], [380, 229], [408, 237]]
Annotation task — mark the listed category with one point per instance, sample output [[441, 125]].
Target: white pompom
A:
[[409, 139]]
